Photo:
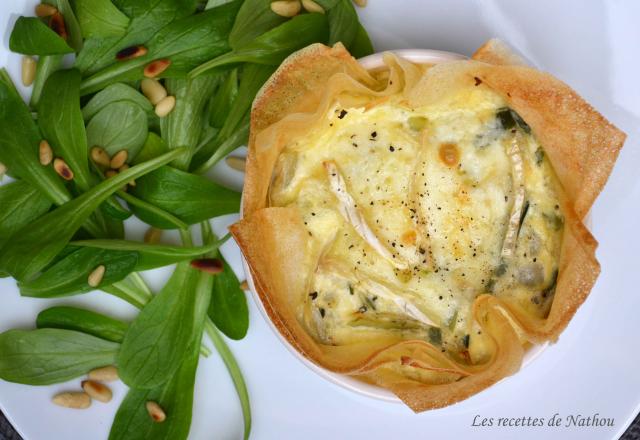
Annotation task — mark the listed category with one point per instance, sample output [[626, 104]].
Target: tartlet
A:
[[420, 226]]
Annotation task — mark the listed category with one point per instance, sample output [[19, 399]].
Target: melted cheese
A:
[[410, 211]]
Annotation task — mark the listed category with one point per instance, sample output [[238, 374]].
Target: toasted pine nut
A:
[[3, 170], [156, 413], [119, 159], [208, 265], [244, 285], [62, 169], [153, 90], [286, 8], [29, 66], [96, 276], [153, 235], [361, 3], [165, 106], [45, 153], [156, 67], [100, 156], [104, 374], [98, 391], [129, 53], [56, 23], [237, 163], [45, 10], [110, 173], [72, 400], [312, 6]]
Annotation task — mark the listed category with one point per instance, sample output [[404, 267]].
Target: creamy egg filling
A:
[[414, 212]]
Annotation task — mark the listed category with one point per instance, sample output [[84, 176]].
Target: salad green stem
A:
[[225, 148], [170, 218], [234, 371]]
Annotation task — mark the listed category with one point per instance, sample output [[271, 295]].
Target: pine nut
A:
[[45, 153], [156, 67], [129, 53], [244, 285], [3, 170], [74, 400], [165, 106], [361, 3], [104, 374], [119, 159], [56, 23], [312, 6], [97, 391], [29, 66], [208, 265], [62, 169], [110, 173], [100, 156], [96, 276], [153, 90], [156, 413], [45, 10], [237, 163], [286, 8], [153, 235]]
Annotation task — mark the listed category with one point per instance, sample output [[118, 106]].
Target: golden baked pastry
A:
[[420, 226]]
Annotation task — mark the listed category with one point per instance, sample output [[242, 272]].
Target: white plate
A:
[[591, 369]]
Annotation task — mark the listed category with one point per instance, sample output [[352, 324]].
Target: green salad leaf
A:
[[153, 146], [61, 123], [186, 43], [37, 243], [70, 275], [119, 126], [84, 321], [254, 18], [19, 140], [361, 46], [30, 36], [184, 125], [228, 309], [48, 356], [100, 18], [21, 204], [147, 18], [159, 339], [117, 93], [221, 102], [343, 23], [190, 198], [132, 421], [275, 45], [235, 129]]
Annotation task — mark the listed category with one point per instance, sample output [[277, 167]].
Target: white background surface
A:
[[593, 46]]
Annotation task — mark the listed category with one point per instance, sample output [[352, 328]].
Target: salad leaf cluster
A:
[[54, 233]]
